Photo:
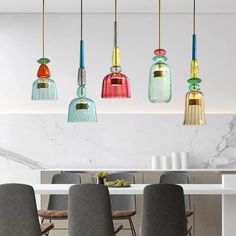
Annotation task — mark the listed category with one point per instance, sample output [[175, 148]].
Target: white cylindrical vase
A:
[[184, 160], [165, 163], [175, 160], [155, 162]]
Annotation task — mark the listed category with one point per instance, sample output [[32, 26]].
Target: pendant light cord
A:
[[159, 23], [194, 16], [81, 21], [115, 26], [43, 28]]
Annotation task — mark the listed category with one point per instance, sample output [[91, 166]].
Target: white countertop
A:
[[193, 189]]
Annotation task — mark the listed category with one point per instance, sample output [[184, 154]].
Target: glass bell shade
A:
[[115, 84], [159, 89], [82, 109], [44, 88], [194, 108]]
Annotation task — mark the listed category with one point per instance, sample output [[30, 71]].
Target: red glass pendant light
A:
[[115, 84]]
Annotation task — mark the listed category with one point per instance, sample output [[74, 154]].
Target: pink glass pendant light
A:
[[115, 84]]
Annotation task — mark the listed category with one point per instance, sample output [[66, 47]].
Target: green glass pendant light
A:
[[44, 88], [159, 87], [82, 108], [194, 100]]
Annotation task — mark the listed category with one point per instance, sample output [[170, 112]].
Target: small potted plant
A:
[[101, 177]]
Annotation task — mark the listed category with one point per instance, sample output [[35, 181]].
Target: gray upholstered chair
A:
[[123, 206], [163, 211], [58, 204], [179, 178], [18, 212], [90, 211]]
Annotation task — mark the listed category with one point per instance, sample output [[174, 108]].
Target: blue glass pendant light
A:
[[159, 88], [82, 109], [44, 88]]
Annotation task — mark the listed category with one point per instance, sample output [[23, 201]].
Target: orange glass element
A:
[[43, 71]]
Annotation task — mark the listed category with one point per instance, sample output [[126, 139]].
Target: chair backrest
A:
[[177, 178], [163, 211], [60, 202], [90, 210], [122, 202], [18, 212]]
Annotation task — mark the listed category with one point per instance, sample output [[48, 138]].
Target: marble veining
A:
[[39, 141], [13, 156]]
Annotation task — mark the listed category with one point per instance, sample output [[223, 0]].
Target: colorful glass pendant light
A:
[[159, 88], [82, 109], [115, 84], [194, 100], [44, 88]]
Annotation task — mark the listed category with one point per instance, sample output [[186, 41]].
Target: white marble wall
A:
[[32, 141]]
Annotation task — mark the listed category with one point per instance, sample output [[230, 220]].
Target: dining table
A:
[[138, 189], [227, 190]]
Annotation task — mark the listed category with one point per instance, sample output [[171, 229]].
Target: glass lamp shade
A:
[[44, 89], [82, 109], [159, 89], [115, 85], [194, 109]]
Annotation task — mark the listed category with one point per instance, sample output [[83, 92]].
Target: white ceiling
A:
[[136, 6]]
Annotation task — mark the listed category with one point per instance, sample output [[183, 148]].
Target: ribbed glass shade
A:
[[44, 89], [194, 109], [116, 85], [159, 89], [82, 109]]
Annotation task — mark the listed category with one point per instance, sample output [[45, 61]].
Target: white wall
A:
[[41, 141], [20, 41]]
